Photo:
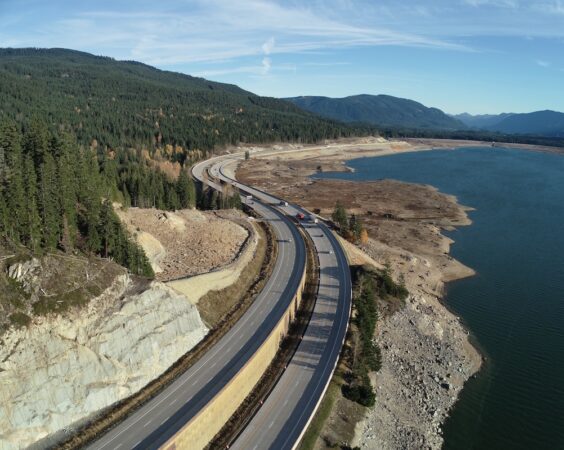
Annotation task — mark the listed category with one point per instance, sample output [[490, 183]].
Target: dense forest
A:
[[379, 110], [123, 104], [57, 195], [478, 135]]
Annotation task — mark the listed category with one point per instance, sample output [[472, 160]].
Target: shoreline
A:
[[426, 349]]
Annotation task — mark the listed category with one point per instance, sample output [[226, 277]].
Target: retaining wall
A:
[[197, 433]]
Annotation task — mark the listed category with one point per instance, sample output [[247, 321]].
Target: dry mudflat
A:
[[426, 353]]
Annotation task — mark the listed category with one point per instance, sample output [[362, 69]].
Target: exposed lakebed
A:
[[514, 306]]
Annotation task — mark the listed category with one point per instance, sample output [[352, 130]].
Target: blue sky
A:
[[479, 56]]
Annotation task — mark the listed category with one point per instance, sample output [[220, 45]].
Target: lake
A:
[[514, 306]]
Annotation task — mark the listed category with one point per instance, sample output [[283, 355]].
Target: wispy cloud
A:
[[494, 3], [543, 63], [254, 33], [551, 7], [268, 46], [218, 30]]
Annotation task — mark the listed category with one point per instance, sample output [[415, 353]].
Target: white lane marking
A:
[[273, 277], [164, 420], [325, 344], [148, 423], [271, 423], [173, 402]]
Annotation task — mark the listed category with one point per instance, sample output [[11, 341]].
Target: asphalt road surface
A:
[[159, 419], [284, 416], [282, 419]]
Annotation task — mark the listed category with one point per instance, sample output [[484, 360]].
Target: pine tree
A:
[[4, 222], [66, 193], [31, 222], [339, 216], [214, 200], [10, 141], [36, 142], [48, 203], [106, 228], [355, 226], [185, 190]]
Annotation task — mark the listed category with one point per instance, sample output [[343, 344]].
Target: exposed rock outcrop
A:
[[61, 370]]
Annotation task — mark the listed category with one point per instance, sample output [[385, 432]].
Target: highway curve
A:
[[160, 418], [285, 414], [283, 418]]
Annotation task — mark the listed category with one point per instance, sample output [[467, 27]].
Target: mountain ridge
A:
[[132, 104], [543, 123], [381, 110]]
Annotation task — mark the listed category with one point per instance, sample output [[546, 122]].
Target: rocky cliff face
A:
[[61, 370]]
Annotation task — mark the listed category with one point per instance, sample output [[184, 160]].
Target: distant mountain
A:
[[381, 110], [541, 123], [481, 121]]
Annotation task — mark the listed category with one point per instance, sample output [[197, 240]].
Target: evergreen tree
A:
[[214, 200], [47, 201], [14, 192], [355, 226], [106, 228], [36, 142], [185, 190], [31, 222], [339, 216], [4, 222], [66, 193]]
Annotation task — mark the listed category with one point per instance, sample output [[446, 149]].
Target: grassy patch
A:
[[321, 416]]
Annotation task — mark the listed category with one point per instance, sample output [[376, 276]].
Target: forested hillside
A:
[[380, 110], [56, 195], [129, 104]]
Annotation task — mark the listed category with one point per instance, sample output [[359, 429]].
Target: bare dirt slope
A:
[[186, 242]]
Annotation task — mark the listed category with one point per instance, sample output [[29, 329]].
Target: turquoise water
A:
[[514, 307]]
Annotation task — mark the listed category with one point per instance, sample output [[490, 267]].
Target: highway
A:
[[282, 419], [159, 419], [285, 414]]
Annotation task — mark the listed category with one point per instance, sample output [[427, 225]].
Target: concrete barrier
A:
[[199, 431]]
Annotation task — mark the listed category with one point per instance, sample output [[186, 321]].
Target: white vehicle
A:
[[283, 203], [313, 219], [249, 197]]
